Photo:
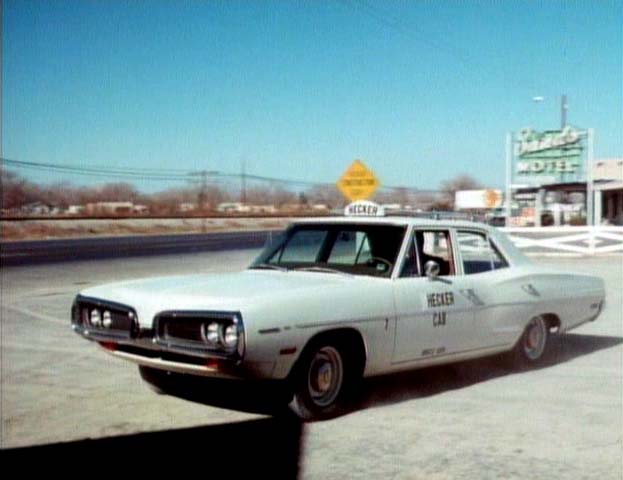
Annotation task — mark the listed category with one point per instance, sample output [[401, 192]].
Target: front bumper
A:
[[212, 367]]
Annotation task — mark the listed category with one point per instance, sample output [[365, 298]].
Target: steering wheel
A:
[[376, 261]]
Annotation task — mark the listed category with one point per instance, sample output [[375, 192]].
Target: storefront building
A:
[[552, 179], [608, 184]]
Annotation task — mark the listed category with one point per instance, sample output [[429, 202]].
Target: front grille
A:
[[182, 328], [186, 332], [189, 326], [113, 320]]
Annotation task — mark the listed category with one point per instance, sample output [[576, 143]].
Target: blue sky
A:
[[419, 90]]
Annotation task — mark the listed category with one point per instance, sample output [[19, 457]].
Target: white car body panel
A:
[[283, 310]]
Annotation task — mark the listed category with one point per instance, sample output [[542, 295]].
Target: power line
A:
[[401, 26], [126, 173], [130, 172], [409, 31]]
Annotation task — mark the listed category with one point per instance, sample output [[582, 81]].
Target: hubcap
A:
[[325, 377], [534, 340]]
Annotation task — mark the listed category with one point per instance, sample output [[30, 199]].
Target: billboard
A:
[[477, 199], [552, 156]]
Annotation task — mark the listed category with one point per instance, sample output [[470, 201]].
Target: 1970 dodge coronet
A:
[[341, 298]]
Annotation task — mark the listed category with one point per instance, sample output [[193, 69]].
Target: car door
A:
[[499, 301], [434, 318]]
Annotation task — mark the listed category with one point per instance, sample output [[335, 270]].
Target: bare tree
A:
[[326, 195], [117, 192], [16, 191], [450, 187]]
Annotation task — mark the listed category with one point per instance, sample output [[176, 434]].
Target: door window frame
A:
[[490, 241], [451, 239]]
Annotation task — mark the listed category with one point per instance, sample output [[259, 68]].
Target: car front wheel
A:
[[323, 381]]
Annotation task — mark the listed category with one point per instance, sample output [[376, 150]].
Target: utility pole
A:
[[202, 195], [243, 183], [203, 190], [201, 200], [564, 106]]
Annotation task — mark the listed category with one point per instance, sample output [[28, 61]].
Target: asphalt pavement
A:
[[474, 420]]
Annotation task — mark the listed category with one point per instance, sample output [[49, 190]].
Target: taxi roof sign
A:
[[358, 182], [364, 208]]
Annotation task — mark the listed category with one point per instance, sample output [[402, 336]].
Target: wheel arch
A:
[[349, 337], [552, 320]]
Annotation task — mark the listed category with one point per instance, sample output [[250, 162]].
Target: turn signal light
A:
[[213, 364], [108, 346]]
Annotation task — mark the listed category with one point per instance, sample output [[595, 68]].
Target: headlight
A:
[[212, 332], [107, 319], [96, 317], [231, 336]]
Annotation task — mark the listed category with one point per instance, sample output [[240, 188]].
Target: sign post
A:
[[358, 182], [590, 217], [509, 177]]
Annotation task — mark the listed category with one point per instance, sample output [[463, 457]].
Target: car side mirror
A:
[[431, 269]]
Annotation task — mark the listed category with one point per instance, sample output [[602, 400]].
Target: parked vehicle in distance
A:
[[336, 299]]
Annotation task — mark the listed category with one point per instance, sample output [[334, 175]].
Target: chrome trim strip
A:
[[269, 330], [171, 366], [344, 322], [434, 357]]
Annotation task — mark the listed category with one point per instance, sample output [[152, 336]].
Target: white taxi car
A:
[[336, 299]]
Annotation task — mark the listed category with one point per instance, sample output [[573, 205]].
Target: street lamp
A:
[[564, 107]]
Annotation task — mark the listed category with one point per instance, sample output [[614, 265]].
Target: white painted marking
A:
[[38, 316]]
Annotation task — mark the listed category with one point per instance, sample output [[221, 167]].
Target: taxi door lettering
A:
[[439, 319]]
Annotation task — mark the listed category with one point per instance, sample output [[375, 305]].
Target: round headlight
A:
[[107, 319], [231, 336], [211, 333], [96, 317]]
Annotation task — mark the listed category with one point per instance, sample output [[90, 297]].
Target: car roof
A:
[[395, 220]]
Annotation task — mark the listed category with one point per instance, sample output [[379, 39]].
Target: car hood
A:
[[226, 291]]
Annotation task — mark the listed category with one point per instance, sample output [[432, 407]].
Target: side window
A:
[[435, 245], [498, 260], [478, 253]]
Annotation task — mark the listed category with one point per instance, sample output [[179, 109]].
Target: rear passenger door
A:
[[484, 267]]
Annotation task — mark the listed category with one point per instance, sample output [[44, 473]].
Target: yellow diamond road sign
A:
[[358, 182]]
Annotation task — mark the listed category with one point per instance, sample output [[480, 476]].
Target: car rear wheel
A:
[[323, 381], [532, 345]]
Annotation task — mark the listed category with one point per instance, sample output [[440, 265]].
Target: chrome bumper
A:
[[172, 366]]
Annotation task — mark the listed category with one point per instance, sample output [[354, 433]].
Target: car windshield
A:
[[357, 249]]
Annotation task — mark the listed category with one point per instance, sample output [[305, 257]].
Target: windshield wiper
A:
[[323, 270], [269, 266]]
